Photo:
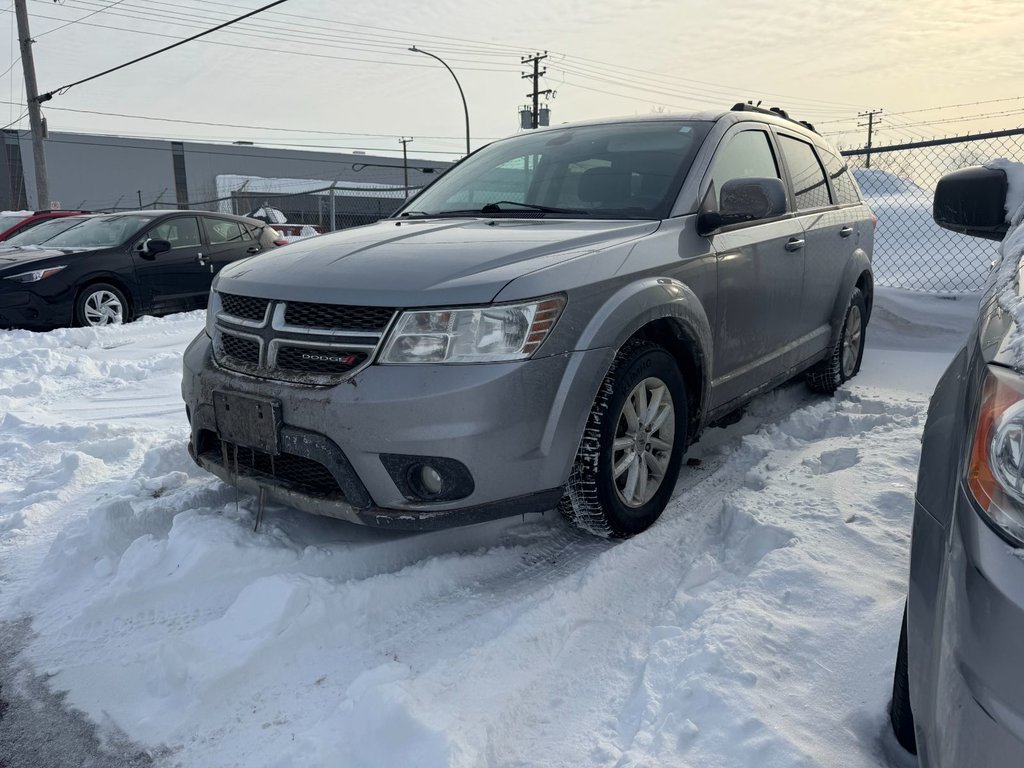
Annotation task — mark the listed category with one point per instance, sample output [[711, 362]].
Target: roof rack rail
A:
[[777, 111]]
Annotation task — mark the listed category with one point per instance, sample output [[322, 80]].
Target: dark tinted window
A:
[[809, 184], [180, 233], [625, 170], [843, 184], [747, 155]]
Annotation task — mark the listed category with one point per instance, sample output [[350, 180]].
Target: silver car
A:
[[549, 324], [958, 689]]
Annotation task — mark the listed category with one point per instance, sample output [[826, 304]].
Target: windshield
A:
[[100, 231], [42, 232], [624, 170], [9, 220]]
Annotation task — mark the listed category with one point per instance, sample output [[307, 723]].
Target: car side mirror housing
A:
[[972, 201], [154, 247], [742, 201]]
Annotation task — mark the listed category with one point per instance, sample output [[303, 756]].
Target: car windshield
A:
[[8, 220], [623, 170], [42, 232], [100, 231]]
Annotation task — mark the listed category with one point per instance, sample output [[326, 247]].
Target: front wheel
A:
[[101, 304], [628, 461], [843, 361]]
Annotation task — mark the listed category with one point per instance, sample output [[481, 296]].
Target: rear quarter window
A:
[[842, 183]]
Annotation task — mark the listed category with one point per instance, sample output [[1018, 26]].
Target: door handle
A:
[[202, 262], [846, 231], [253, 249], [794, 244]]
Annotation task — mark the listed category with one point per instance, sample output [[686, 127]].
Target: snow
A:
[[754, 625], [1015, 182], [910, 249], [1004, 283]]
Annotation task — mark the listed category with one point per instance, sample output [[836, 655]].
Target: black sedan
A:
[[112, 268]]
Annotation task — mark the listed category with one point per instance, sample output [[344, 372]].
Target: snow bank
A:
[[755, 624], [912, 251], [1004, 283]]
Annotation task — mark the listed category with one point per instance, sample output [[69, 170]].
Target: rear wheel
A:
[[628, 461], [900, 714], [101, 304], [843, 361]]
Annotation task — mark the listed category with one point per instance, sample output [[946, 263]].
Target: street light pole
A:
[[457, 83]]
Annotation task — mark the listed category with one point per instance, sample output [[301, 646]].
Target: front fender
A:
[[651, 299]]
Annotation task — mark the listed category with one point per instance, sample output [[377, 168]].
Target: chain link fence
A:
[[898, 182]]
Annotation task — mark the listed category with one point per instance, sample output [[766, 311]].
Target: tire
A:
[[619, 507], [101, 304], [900, 715], [843, 361]]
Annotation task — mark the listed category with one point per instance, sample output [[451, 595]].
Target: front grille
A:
[[286, 469], [244, 350], [317, 344], [335, 316], [312, 360], [244, 307]]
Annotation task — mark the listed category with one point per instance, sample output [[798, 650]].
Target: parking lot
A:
[[755, 624]]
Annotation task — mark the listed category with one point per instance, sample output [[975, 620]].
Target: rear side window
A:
[[842, 183], [222, 231], [809, 186], [747, 155]]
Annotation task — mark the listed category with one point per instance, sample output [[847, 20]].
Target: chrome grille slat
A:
[[299, 341]]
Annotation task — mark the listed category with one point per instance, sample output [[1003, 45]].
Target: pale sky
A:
[[308, 65]]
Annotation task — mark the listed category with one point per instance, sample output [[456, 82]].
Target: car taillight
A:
[[280, 242], [874, 221]]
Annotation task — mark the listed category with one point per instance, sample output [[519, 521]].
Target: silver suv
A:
[[550, 323]]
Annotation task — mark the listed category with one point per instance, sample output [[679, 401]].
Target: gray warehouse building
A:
[[105, 173]]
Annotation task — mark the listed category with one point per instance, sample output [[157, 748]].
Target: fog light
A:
[[431, 480]]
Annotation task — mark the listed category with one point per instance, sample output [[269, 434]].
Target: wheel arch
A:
[[856, 275], [669, 313]]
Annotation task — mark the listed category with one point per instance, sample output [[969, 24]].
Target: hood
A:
[[16, 258], [429, 262]]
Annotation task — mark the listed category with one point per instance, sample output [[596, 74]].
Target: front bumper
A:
[[514, 426], [968, 650], [21, 308]]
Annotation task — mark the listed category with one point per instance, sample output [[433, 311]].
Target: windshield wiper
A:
[[495, 207]]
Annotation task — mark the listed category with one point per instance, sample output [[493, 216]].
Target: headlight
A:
[[487, 334], [212, 308], [35, 275], [995, 474]]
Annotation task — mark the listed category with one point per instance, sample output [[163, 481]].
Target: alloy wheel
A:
[[644, 435], [852, 339]]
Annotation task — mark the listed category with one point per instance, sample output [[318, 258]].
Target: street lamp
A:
[[464, 107]]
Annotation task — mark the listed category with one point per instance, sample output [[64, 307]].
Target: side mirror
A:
[[153, 247], [972, 201], [744, 200]]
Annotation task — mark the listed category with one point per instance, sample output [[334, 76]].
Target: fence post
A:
[[332, 205]]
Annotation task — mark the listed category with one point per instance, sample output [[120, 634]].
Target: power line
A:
[[251, 127], [76, 21], [49, 94], [266, 50]]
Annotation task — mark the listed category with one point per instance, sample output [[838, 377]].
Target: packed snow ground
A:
[[754, 625]]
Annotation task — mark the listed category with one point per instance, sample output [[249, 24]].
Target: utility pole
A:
[[405, 163], [35, 117], [536, 75], [870, 125]]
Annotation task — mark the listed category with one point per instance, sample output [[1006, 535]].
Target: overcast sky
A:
[[309, 65]]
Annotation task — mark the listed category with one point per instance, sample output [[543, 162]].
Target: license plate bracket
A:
[[253, 422]]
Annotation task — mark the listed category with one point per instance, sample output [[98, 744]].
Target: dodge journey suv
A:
[[550, 323]]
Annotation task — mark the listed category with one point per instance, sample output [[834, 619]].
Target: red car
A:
[[13, 222]]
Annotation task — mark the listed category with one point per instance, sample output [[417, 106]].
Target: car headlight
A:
[[493, 333], [995, 473], [35, 275]]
